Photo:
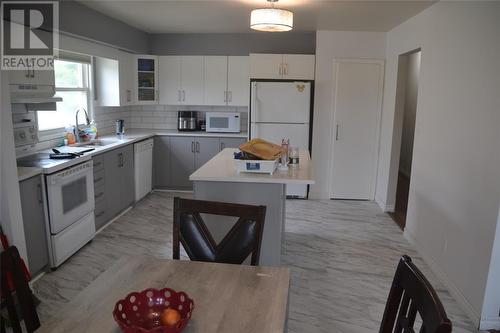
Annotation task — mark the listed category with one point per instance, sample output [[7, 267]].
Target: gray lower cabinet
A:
[[175, 158], [161, 162], [182, 150], [205, 149], [114, 187], [34, 223], [231, 142]]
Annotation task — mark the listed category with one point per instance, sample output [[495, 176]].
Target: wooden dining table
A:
[[227, 298]]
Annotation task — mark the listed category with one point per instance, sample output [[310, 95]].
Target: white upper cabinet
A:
[[282, 66], [181, 80], [298, 66], [126, 81], [192, 80], [215, 80], [32, 76], [146, 79], [170, 80], [204, 80], [266, 66], [238, 81], [107, 82]]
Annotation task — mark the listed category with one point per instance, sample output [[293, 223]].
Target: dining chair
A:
[[243, 238], [16, 293], [411, 293]]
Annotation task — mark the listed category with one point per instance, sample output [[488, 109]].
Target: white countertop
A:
[[131, 136], [221, 168]]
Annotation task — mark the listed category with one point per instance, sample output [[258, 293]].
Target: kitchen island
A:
[[218, 180]]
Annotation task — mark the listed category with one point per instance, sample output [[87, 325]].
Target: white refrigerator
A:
[[282, 110]]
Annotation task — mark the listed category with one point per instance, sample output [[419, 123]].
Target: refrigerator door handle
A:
[[337, 132]]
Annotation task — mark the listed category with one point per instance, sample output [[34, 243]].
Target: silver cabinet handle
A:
[[337, 132], [129, 95], [157, 95], [120, 160], [197, 147], [33, 72], [40, 195], [222, 146], [285, 69], [230, 96], [178, 95], [183, 95], [280, 71], [225, 96], [192, 146]]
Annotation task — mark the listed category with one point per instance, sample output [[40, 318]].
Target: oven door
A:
[[70, 195]]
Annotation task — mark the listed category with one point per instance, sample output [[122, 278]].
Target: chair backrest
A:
[[410, 293], [243, 238], [12, 270]]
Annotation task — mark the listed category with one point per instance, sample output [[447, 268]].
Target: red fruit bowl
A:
[[140, 312]]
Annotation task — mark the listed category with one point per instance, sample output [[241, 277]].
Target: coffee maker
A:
[[187, 120]]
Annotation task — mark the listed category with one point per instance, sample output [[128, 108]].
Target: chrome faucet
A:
[[77, 134]]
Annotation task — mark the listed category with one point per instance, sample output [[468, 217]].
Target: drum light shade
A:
[[271, 19]]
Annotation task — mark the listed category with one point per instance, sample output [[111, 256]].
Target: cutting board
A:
[[262, 149]]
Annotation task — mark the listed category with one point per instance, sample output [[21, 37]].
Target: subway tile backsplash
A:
[[155, 116]]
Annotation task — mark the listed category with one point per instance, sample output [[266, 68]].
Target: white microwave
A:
[[223, 122]]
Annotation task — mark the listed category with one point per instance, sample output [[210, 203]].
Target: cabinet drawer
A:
[[99, 194], [101, 218], [98, 163], [98, 178]]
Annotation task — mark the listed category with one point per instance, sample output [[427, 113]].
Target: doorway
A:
[[408, 81]]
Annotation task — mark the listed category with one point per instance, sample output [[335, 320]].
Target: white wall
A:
[[410, 111], [455, 181], [331, 45]]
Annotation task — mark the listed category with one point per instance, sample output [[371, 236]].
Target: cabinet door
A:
[[112, 162], [34, 223], [205, 148], [146, 79], [238, 81], [181, 161], [106, 82], [170, 80], [265, 66], [161, 162], [126, 80], [127, 183], [231, 142], [215, 81], [298, 66], [192, 80]]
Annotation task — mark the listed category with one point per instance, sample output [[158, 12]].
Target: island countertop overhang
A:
[[221, 168]]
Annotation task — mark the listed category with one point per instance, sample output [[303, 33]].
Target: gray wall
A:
[[80, 20], [233, 44]]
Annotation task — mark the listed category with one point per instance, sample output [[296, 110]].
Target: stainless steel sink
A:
[[97, 142]]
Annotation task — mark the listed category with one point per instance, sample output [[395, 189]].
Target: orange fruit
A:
[[170, 317]]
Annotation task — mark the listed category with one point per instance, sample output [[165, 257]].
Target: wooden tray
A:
[[262, 149]]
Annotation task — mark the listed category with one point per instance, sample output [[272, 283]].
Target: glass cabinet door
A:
[[146, 80]]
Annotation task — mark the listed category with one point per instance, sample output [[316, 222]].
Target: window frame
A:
[[54, 133]]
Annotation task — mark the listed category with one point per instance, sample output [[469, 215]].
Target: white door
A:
[[215, 82], [281, 102], [357, 108], [170, 80], [297, 133], [192, 80], [265, 66], [238, 81], [298, 66]]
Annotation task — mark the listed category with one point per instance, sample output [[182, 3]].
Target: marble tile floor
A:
[[342, 254]]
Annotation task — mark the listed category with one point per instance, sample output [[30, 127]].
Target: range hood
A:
[[35, 97]]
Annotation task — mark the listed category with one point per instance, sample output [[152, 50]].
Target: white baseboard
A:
[[443, 277], [385, 208], [490, 324]]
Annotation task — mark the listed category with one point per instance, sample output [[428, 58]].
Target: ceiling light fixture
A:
[[271, 19]]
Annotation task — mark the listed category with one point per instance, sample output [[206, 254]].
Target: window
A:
[[72, 84]]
